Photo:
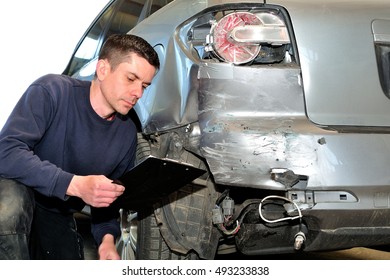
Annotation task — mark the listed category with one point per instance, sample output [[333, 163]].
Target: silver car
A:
[[285, 106]]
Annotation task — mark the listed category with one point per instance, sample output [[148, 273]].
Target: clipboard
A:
[[151, 180]]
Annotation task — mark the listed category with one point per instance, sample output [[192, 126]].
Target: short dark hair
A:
[[117, 47]]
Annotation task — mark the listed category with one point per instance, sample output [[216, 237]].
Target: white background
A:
[[38, 37], [278, 269]]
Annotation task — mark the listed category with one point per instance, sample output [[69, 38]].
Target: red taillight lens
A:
[[238, 36], [225, 47]]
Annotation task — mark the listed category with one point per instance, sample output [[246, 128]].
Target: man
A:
[[61, 148]]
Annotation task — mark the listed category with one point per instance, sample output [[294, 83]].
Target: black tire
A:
[[151, 245], [143, 149]]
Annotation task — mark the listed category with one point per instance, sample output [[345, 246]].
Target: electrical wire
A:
[[231, 232], [299, 216], [247, 206]]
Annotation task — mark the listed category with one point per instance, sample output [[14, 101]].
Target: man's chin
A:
[[125, 111]]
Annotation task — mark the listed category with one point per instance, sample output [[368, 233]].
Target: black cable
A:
[[222, 197]]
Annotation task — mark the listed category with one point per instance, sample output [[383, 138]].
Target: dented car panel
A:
[[250, 125]]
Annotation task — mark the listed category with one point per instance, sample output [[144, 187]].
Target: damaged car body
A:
[[285, 105]]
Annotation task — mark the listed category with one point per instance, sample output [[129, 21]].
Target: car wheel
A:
[[127, 243], [141, 239]]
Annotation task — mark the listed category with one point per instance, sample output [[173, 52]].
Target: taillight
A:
[[224, 42], [237, 37]]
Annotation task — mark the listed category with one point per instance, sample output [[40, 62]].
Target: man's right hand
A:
[[95, 190]]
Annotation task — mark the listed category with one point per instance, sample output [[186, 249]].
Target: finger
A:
[[109, 194], [100, 204], [118, 188]]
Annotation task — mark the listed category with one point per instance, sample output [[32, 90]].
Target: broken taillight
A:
[[237, 37]]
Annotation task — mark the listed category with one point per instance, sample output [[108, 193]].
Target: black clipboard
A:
[[152, 179]]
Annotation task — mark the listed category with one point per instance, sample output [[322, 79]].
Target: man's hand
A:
[[95, 190], [107, 250]]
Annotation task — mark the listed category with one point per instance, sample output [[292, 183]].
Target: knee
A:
[[16, 207]]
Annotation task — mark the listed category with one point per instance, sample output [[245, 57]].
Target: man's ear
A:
[[102, 69]]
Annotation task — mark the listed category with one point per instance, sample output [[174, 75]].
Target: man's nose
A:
[[138, 92]]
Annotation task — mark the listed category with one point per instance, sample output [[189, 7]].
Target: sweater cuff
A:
[[100, 230], [63, 181]]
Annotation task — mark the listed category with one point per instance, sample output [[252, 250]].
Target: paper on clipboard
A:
[[153, 179]]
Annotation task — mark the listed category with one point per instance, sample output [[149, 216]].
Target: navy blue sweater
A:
[[53, 133]]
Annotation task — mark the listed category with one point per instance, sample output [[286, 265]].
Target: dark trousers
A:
[[28, 231]]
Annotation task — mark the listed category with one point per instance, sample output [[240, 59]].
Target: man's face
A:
[[123, 86]]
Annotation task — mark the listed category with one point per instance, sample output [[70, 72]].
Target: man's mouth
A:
[[129, 103]]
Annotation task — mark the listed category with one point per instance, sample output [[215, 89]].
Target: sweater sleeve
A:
[[104, 221], [24, 128]]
